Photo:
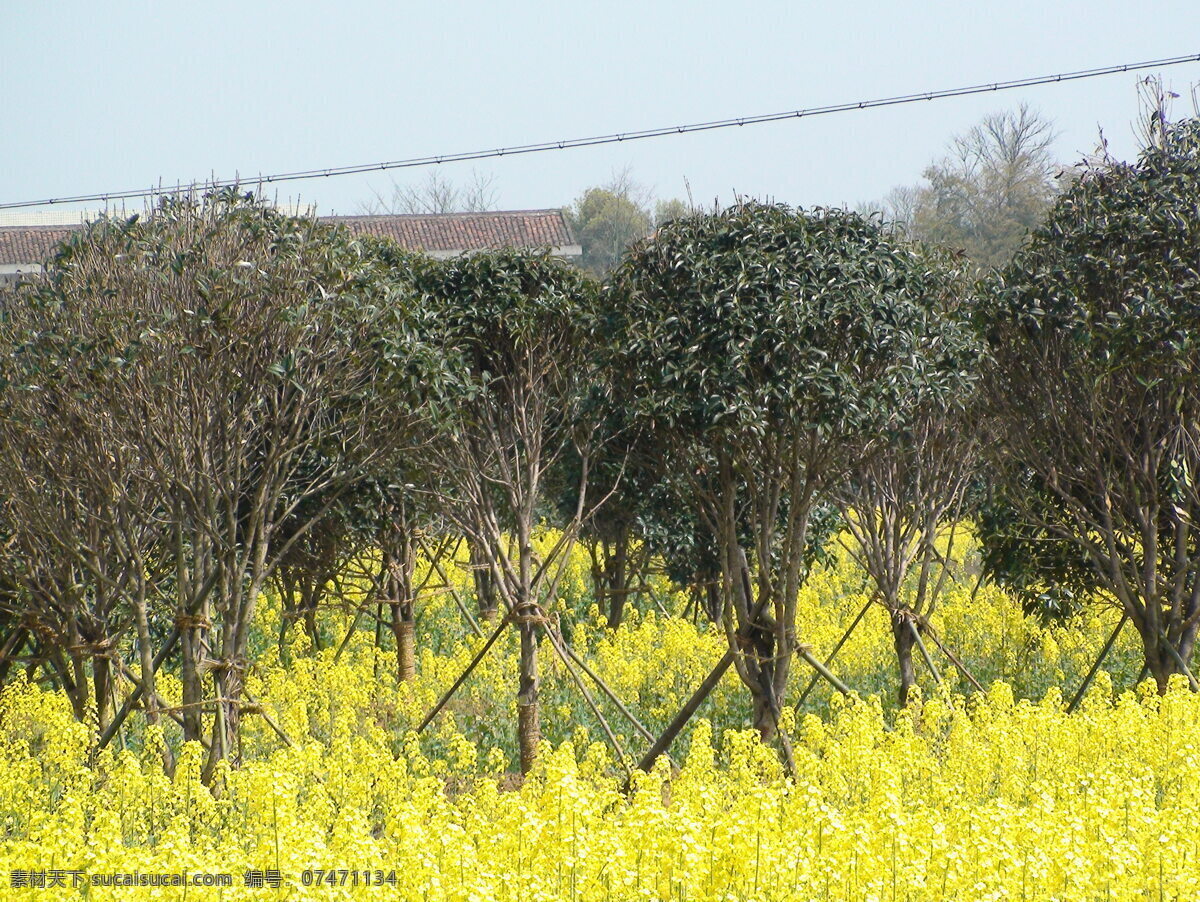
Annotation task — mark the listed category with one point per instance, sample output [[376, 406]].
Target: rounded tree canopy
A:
[[508, 314], [1111, 279], [761, 319]]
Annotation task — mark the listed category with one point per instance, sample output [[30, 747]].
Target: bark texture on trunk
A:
[[903, 639], [529, 730], [485, 585], [406, 646], [617, 577], [192, 644]]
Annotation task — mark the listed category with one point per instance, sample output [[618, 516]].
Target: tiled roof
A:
[[441, 234], [467, 231], [29, 244]]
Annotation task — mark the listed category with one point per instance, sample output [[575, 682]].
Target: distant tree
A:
[[1095, 335], [667, 210], [436, 194], [990, 190], [608, 218]]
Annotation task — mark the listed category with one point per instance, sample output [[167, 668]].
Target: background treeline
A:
[[217, 399]]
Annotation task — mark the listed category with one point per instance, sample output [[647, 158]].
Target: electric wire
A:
[[614, 138]]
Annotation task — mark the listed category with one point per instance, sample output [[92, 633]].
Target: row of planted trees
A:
[[217, 396]]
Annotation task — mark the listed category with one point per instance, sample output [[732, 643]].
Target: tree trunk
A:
[[191, 643], [399, 561], [404, 629], [229, 683], [616, 568], [712, 599], [764, 717], [310, 618], [1159, 660], [102, 685], [485, 586], [529, 730], [287, 615], [902, 637]]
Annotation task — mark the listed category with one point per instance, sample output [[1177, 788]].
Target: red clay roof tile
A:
[[443, 233]]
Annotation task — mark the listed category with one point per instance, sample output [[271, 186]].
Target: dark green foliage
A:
[[763, 318], [770, 349], [1095, 334], [1050, 575]]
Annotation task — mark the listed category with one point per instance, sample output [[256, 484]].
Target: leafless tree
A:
[[992, 187], [437, 194]]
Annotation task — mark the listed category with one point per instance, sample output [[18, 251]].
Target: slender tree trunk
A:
[[285, 654], [617, 577], [596, 552], [529, 729], [192, 648], [287, 616], [76, 692], [311, 597], [712, 598], [485, 585], [102, 685], [902, 637]]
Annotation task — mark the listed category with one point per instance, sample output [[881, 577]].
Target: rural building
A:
[[26, 244]]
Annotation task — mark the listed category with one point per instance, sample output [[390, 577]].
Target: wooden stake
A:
[[952, 658], [587, 697], [436, 563], [1087, 680], [937, 677], [685, 713], [612, 696], [269, 719], [466, 673], [833, 654], [823, 670]]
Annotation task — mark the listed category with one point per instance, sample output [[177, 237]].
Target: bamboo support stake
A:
[[823, 670], [337, 655], [436, 563], [466, 673], [833, 654], [1087, 680], [689, 708], [259, 709], [710, 683], [604, 687], [937, 677], [954, 659], [591, 702]]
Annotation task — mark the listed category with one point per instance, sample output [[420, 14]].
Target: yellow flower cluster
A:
[[987, 798], [961, 796]]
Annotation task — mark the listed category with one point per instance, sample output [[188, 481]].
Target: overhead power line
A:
[[617, 137]]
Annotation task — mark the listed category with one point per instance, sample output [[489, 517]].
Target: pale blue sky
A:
[[115, 95]]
